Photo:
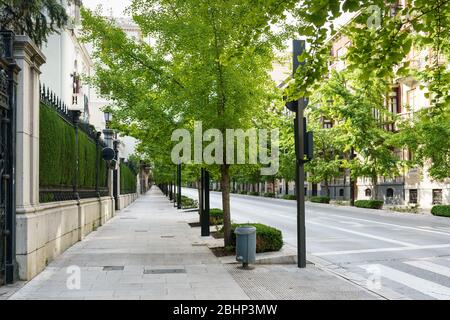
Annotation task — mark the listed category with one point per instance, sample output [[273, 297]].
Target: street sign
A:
[[108, 154]]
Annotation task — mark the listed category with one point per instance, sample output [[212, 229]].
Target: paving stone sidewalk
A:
[[148, 251]]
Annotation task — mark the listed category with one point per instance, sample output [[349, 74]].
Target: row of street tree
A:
[[209, 61]]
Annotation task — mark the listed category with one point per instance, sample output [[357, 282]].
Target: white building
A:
[[68, 62]]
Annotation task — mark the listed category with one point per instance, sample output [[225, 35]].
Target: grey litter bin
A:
[[245, 244]]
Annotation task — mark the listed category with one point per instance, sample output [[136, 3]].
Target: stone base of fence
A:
[[126, 199], [47, 230]]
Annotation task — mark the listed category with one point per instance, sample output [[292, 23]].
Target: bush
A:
[[215, 216], [441, 210], [127, 180], [267, 238], [269, 195], [320, 199], [58, 154], [188, 203], [289, 197], [253, 193], [242, 192], [369, 204]]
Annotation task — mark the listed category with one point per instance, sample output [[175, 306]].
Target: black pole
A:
[[352, 182], [179, 187], [201, 202], [175, 197], [8, 180], [97, 167], [76, 120], [206, 221], [116, 175], [299, 48]]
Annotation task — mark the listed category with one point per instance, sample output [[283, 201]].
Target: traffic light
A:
[[308, 144]]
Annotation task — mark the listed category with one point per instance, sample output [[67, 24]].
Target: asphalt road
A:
[[397, 255]]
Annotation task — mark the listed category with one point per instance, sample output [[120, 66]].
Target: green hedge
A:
[[57, 154], [441, 210], [242, 192], [369, 204], [289, 197], [320, 199], [215, 216], [127, 180], [188, 203], [253, 193], [269, 195], [267, 238]]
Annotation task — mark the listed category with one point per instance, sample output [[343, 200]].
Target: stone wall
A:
[[49, 229], [126, 199]]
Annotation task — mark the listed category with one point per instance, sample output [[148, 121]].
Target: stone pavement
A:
[[148, 251]]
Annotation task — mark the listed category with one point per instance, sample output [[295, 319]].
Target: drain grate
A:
[[113, 268], [128, 218], [199, 244], [167, 237], [140, 230], [163, 271]]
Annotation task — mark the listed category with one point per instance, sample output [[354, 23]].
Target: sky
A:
[[117, 6]]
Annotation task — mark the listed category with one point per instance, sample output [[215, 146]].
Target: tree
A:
[[360, 118], [328, 152], [210, 62], [35, 18]]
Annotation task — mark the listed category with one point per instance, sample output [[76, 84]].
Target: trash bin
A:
[[245, 245]]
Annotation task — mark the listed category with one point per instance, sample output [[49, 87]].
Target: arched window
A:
[[341, 192], [390, 193], [368, 192]]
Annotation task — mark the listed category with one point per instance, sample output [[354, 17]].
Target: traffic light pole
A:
[[300, 188], [299, 107]]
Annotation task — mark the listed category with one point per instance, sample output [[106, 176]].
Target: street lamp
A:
[[108, 118]]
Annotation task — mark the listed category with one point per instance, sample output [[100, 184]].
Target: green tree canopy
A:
[[35, 18]]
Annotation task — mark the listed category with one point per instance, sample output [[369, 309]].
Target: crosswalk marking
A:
[[426, 287], [390, 249], [429, 266]]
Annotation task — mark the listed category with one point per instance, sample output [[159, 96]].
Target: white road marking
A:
[[426, 287], [333, 253], [389, 224], [362, 234], [429, 266]]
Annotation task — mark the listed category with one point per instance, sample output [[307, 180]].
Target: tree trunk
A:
[[375, 187], [225, 183], [327, 188], [286, 186]]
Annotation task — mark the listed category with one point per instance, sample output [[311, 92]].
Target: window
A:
[[341, 192], [411, 98], [437, 196], [390, 193], [413, 196], [368, 192]]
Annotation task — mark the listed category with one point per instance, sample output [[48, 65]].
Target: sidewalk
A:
[[148, 251]]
